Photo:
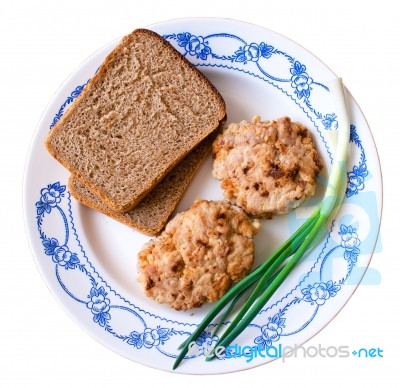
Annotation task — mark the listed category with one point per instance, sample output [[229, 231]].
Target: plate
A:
[[89, 260]]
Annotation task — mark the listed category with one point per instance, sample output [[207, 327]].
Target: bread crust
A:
[[178, 179], [128, 205]]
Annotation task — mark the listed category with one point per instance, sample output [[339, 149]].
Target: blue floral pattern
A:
[[61, 255], [194, 45], [150, 337], [301, 81], [319, 293], [204, 345], [253, 52], [50, 197], [356, 177], [206, 341], [350, 242], [271, 331], [99, 305], [330, 121]]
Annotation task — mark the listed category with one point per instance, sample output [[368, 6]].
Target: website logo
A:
[[249, 353]]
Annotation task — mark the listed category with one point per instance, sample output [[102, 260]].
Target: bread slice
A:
[[153, 211], [145, 109]]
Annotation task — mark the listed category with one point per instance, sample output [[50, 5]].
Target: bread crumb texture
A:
[[198, 256], [266, 167], [143, 111]]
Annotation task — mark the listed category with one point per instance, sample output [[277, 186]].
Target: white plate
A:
[[89, 261]]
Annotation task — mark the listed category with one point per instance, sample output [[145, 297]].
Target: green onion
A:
[[273, 272], [235, 301]]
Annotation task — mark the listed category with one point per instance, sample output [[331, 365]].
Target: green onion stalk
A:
[[269, 276]]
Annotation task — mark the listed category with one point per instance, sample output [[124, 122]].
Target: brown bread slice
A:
[[153, 211], [145, 109]]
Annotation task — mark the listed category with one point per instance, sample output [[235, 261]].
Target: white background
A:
[[42, 42]]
